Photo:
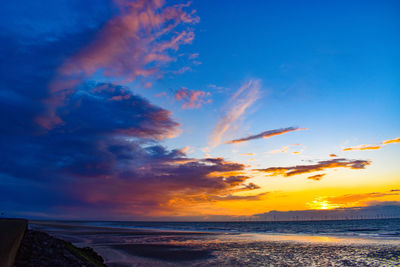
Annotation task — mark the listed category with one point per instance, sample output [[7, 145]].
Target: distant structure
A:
[[357, 213]]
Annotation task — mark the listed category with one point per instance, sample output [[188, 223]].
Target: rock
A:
[[40, 249]]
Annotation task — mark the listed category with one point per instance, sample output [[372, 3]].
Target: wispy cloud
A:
[[373, 147], [240, 101], [266, 134], [284, 149], [192, 98], [320, 166]]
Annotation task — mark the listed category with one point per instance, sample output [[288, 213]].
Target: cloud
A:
[[191, 98], [356, 199], [182, 70], [363, 147], [239, 102], [247, 154], [316, 177], [132, 39], [373, 147], [284, 149], [391, 141], [235, 197], [112, 165], [193, 55], [332, 155], [320, 166], [139, 39], [266, 134]]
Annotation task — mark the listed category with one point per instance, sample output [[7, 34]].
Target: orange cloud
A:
[[237, 105], [320, 166], [316, 177], [391, 141], [332, 155], [373, 147], [266, 134], [363, 147], [355, 199], [247, 154], [235, 197]]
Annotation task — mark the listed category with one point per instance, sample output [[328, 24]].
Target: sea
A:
[[384, 228]]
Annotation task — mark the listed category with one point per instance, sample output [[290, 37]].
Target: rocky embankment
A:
[[40, 249]]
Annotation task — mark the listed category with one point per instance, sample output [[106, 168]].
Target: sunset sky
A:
[[118, 109]]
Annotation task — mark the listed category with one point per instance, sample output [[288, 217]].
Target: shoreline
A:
[[134, 247]]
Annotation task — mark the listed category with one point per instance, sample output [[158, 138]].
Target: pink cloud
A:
[[193, 56], [191, 98], [373, 147]]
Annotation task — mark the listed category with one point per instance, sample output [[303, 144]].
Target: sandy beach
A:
[[148, 247]]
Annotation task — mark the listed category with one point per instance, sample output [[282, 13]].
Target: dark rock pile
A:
[[40, 249]]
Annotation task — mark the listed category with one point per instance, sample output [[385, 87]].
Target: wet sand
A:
[[126, 247]]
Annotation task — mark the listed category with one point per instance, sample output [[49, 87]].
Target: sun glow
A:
[[321, 204]]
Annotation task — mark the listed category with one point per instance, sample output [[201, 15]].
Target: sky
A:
[[152, 109]]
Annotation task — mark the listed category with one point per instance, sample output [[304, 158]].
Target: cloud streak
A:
[[363, 147], [373, 147], [265, 134], [239, 102], [320, 166], [356, 199]]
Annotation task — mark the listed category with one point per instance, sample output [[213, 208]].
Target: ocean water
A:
[[363, 228]]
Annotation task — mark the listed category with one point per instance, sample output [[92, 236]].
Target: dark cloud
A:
[[320, 166], [105, 154], [265, 134]]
